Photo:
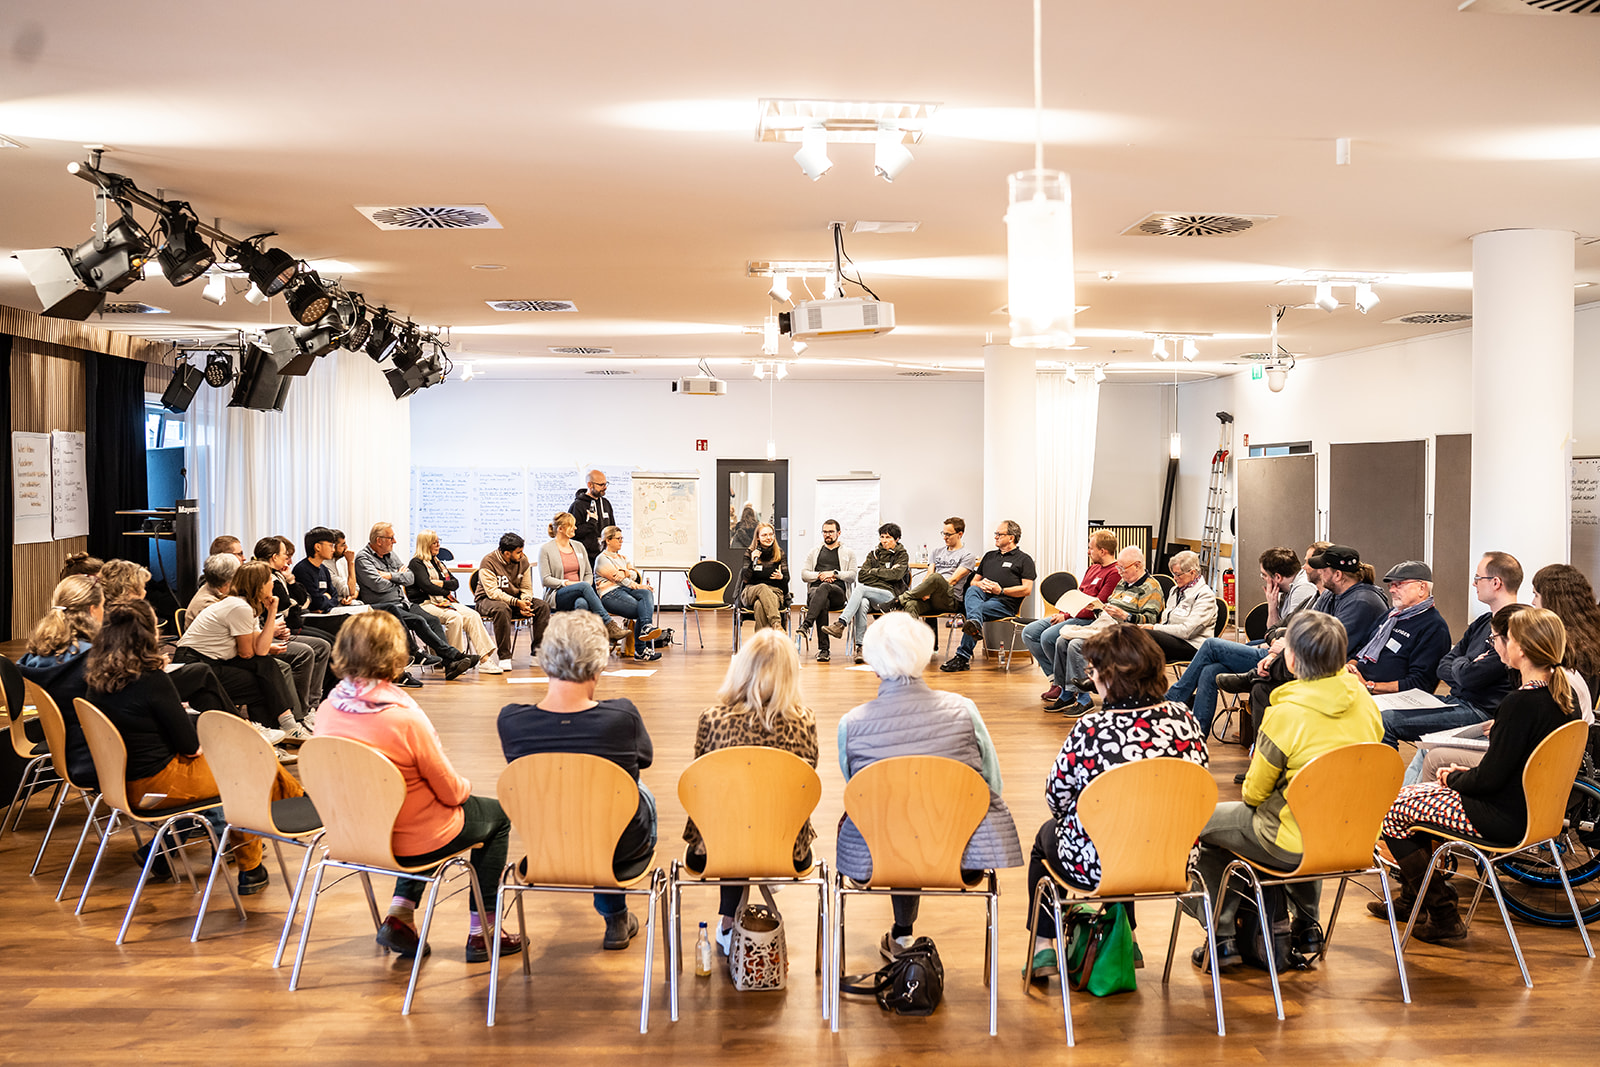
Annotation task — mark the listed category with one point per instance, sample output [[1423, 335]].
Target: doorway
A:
[[751, 491]]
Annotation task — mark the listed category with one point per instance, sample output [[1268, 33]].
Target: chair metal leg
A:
[[1266, 930], [1061, 957], [1172, 942], [372, 901], [82, 837], [657, 887], [283, 868], [1577, 915], [1505, 916], [56, 805], [1394, 935], [434, 886], [305, 929], [674, 935], [1211, 948], [88, 883], [992, 951], [294, 899], [836, 966], [161, 837], [494, 955], [211, 880]]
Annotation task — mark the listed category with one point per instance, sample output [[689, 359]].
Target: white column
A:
[[1521, 395], [1010, 450]]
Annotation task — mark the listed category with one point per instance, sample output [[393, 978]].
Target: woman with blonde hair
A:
[[759, 704], [568, 580], [624, 591], [434, 591], [56, 653]]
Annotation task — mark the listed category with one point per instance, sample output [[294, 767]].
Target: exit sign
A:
[[702, 444], [1255, 374]]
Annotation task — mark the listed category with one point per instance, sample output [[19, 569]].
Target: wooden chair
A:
[[111, 768], [55, 734], [37, 769], [1546, 783], [245, 767], [749, 804], [570, 809], [359, 793], [1143, 818], [708, 580], [916, 815], [181, 619], [1339, 800]]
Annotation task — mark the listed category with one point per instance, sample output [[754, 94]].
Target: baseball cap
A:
[[1337, 557], [1410, 570]]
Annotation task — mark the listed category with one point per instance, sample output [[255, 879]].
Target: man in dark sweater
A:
[[1406, 647], [593, 512]]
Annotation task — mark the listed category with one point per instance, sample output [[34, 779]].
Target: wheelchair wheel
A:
[[1531, 887]]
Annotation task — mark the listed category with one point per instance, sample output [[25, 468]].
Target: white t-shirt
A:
[[214, 633]]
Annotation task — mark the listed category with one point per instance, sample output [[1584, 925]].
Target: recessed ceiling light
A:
[[532, 305], [488, 266], [843, 120], [864, 226]]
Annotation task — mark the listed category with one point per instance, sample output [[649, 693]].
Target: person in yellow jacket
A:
[[1324, 708]]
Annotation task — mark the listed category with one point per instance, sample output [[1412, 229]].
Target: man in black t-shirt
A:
[[1005, 578], [829, 572]]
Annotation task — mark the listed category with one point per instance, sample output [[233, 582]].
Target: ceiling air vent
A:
[[920, 373], [609, 373], [431, 217], [579, 350], [532, 305], [1193, 224], [131, 307], [1532, 7], [1429, 318]]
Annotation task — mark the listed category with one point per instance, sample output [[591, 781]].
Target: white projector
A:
[[700, 385], [821, 320]]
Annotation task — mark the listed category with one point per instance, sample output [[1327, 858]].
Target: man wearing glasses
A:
[[1137, 599], [593, 512], [383, 577], [952, 564], [1004, 580], [1405, 649], [1477, 678]]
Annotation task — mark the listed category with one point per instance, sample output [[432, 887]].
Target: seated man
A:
[[343, 566], [882, 576], [382, 577], [1286, 585], [315, 578], [1477, 678], [1004, 580], [950, 568], [1041, 635], [829, 572], [1136, 599], [505, 593], [1406, 647], [1325, 708], [1190, 616]]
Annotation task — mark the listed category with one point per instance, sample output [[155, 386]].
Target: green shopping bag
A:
[[1100, 951]]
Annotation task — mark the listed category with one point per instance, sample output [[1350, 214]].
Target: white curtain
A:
[[339, 455], [1067, 415]]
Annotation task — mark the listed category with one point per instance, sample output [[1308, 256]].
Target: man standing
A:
[[829, 572], [382, 578], [1407, 645], [592, 511], [1099, 581], [951, 565], [505, 592], [1005, 578], [1136, 599]]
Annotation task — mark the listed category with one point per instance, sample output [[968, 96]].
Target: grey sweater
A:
[[550, 569]]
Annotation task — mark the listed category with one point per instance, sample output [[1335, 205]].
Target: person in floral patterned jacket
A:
[[1136, 722]]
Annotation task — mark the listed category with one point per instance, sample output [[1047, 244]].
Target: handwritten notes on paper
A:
[[69, 484], [1585, 495], [667, 531], [32, 503]]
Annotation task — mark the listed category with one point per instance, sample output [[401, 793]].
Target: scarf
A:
[[368, 696], [1380, 638]]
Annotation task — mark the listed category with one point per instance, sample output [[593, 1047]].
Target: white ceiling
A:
[[615, 143]]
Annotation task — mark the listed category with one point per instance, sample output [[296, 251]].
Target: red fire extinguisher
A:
[[1228, 594]]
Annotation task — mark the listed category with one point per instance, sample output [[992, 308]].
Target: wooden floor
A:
[[74, 996]]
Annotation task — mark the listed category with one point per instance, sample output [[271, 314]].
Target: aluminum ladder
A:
[[1216, 498]]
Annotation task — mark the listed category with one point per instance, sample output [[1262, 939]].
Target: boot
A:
[[1405, 898], [615, 631], [1236, 683], [1441, 915], [833, 629]]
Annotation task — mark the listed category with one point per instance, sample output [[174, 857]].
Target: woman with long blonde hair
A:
[[567, 577], [434, 591]]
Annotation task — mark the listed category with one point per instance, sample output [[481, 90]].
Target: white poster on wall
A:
[[854, 502], [31, 501], [667, 534], [69, 484], [1586, 516]]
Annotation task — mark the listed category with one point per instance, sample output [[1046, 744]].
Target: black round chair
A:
[[1054, 585], [1255, 623]]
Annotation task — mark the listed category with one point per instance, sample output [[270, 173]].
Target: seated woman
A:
[[568, 581], [307, 651], [907, 718], [759, 704], [570, 719], [1136, 722], [123, 579], [764, 581], [57, 651], [624, 591], [1485, 801], [80, 563], [229, 637], [127, 681], [434, 591], [440, 816], [1324, 708]]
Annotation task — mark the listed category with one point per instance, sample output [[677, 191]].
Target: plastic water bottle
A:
[[702, 953], [924, 558]]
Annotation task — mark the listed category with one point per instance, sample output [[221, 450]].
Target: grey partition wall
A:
[[1452, 522], [1277, 506], [1377, 500]]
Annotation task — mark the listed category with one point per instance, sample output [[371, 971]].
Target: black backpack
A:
[[910, 984], [1247, 932]]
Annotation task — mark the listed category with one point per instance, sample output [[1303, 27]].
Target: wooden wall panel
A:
[[48, 392]]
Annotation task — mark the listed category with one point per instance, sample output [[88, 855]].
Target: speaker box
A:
[[260, 386], [186, 378]]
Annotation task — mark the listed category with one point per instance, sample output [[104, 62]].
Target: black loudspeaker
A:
[[186, 378], [260, 386]]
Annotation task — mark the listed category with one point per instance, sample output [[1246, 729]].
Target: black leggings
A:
[[1044, 855], [258, 682]]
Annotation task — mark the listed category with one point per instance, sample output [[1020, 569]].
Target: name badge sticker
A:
[[1006, 565], [1392, 645]]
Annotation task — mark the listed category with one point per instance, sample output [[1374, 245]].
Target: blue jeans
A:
[[1198, 686], [981, 607], [1041, 636], [862, 597], [616, 903], [636, 604], [1411, 723], [569, 597]]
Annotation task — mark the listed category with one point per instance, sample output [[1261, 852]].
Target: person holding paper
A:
[[1097, 583], [1136, 599], [1405, 649]]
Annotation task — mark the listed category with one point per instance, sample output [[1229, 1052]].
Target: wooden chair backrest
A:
[[55, 728], [181, 618], [11, 685], [570, 809], [916, 814], [1548, 777], [21, 743], [1224, 613], [359, 792], [709, 579], [1143, 818], [110, 754], [244, 766], [1255, 622], [1339, 800], [749, 804]]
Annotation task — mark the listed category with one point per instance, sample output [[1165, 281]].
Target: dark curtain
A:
[[115, 454], [5, 497]]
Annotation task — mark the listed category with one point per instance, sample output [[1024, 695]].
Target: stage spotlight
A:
[[780, 288], [384, 334], [271, 269], [358, 325], [219, 369], [1325, 298], [1160, 349], [399, 384], [186, 378], [1366, 299], [407, 350], [185, 255], [112, 265], [891, 156], [216, 290], [1190, 349], [308, 298], [254, 294], [813, 154]]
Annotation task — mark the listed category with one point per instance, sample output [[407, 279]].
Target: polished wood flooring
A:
[[73, 996]]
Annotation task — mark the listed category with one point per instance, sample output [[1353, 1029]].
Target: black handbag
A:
[[910, 984]]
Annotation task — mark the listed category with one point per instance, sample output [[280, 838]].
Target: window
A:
[[1296, 448], [162, 429]]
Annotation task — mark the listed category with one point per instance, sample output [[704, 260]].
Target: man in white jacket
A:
[[1191, 612], [828, 573]]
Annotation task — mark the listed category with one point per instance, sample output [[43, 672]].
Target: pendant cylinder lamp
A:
[[1039, 259]]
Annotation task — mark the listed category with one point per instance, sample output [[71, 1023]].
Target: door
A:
[[752, 491]]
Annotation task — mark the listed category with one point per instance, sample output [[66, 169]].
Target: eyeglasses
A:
[[1476, 578], [1497, 637]]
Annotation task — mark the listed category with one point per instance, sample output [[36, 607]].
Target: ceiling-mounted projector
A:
[[700, 385], [821, 320]]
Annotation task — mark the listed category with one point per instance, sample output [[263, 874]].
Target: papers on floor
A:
[[1457, 737], [1407, 700], [859, 667], [633, 672]]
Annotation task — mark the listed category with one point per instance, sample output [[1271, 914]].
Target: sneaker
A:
[[293, 732], [822, 655], [1227, 956], [620, 929], [285, 757], [833, 629], [478, 946], [971, 629], [1051, 695], [616, 631], [427, 659], [490, 664], [253, 881], [400, 937], [957, 662], [459, 666], [1238, 779], [892, 946], [1044, 965], [646, 655], [406, 681], [725, 941], [310, 721], [272, 736], [860, 659]]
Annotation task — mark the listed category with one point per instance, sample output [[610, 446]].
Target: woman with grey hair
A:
[[1191, 612], [908, 718], [570, 719], [1324, 708]]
